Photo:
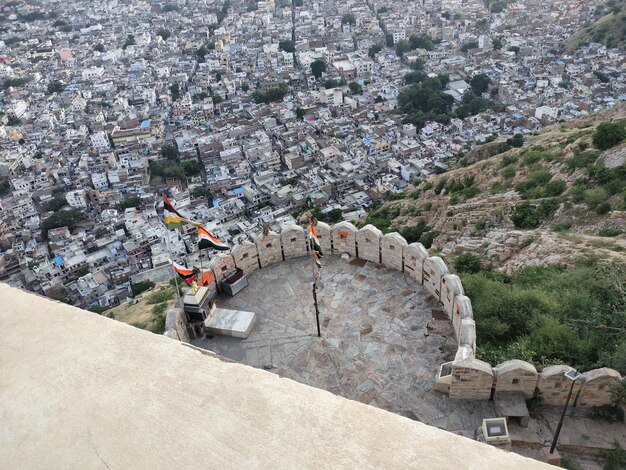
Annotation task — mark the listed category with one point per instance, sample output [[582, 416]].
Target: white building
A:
[[100, 141], [331, 96], [77, 199]]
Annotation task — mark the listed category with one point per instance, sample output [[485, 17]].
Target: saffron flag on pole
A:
[[171, 217], [188, 275], [207, 240]]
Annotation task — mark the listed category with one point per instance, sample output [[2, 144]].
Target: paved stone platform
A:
[[383, 338]]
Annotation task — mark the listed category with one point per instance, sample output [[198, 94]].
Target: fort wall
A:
[[471, 378]]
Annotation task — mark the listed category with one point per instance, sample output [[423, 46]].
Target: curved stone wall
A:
[[471, 378]]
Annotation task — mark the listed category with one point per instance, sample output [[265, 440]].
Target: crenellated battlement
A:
[[469, 378]]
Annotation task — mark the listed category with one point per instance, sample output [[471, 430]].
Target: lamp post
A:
[[573, 376]]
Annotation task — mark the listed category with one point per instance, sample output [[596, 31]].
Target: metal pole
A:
[[317, 311], [558, 428]]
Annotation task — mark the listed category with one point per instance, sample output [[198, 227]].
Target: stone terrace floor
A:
[[380, 343]]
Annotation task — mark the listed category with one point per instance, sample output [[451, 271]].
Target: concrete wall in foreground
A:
[[472, 379]]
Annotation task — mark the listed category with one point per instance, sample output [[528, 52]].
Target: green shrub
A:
[[603, 208], [609, 134], [547, 208], [480, 225], [427, 239], [440, 185], [413, 233], [525, 216], [562, 227], [508, 171], [555, 188], [159, 309], [467, 263], [582, 160], [508, 160], [609, 413], [161, 296], [140, 287], [594, 197], [615, 459]]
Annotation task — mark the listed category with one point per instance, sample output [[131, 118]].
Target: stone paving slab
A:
[[375, 348]]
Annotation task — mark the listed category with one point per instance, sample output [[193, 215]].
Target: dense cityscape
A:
[[250, 114]]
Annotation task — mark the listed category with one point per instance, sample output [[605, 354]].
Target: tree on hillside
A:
[[175, 91], [98, 47], [164, 33], [55, 86], [609, 134], [497, 43], [169, 151], [373, 50], [287, 45], [348, 18], [318, 67], [300, 114], [355, 88], [130, 41], [480, 83]]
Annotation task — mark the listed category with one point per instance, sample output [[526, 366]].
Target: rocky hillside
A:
[[553, 200], [609, 27]]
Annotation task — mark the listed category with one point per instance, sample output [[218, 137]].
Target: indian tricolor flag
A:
[[171, 217], [313, 240], [318, 261], [207, 240], [188, 275]]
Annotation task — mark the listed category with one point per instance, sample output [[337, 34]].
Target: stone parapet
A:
[[269, 249], [392, 247], [555, 386], [472, 379], [368, 240], [414, 256], [344, 239], [433, 271], [294, 242], [222, 265], [450, 287], [596, 387], [246, 256], [516, 376]]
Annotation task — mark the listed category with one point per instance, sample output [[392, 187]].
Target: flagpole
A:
[[169, 252], [315, 272]]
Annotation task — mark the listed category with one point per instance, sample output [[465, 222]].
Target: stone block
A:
[[450, 287], [555, 386], [222, 265], [324, 235], [368, 241], [462, 308], [516, 376], [269, 249], [392, 246], [227, 322], [467, 333], [344, 238], [472, 379], [294, 242], [414, 256], [246, 256], [596, 387], [433, 271]]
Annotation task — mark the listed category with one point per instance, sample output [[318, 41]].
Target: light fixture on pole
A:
[[572, 375]]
